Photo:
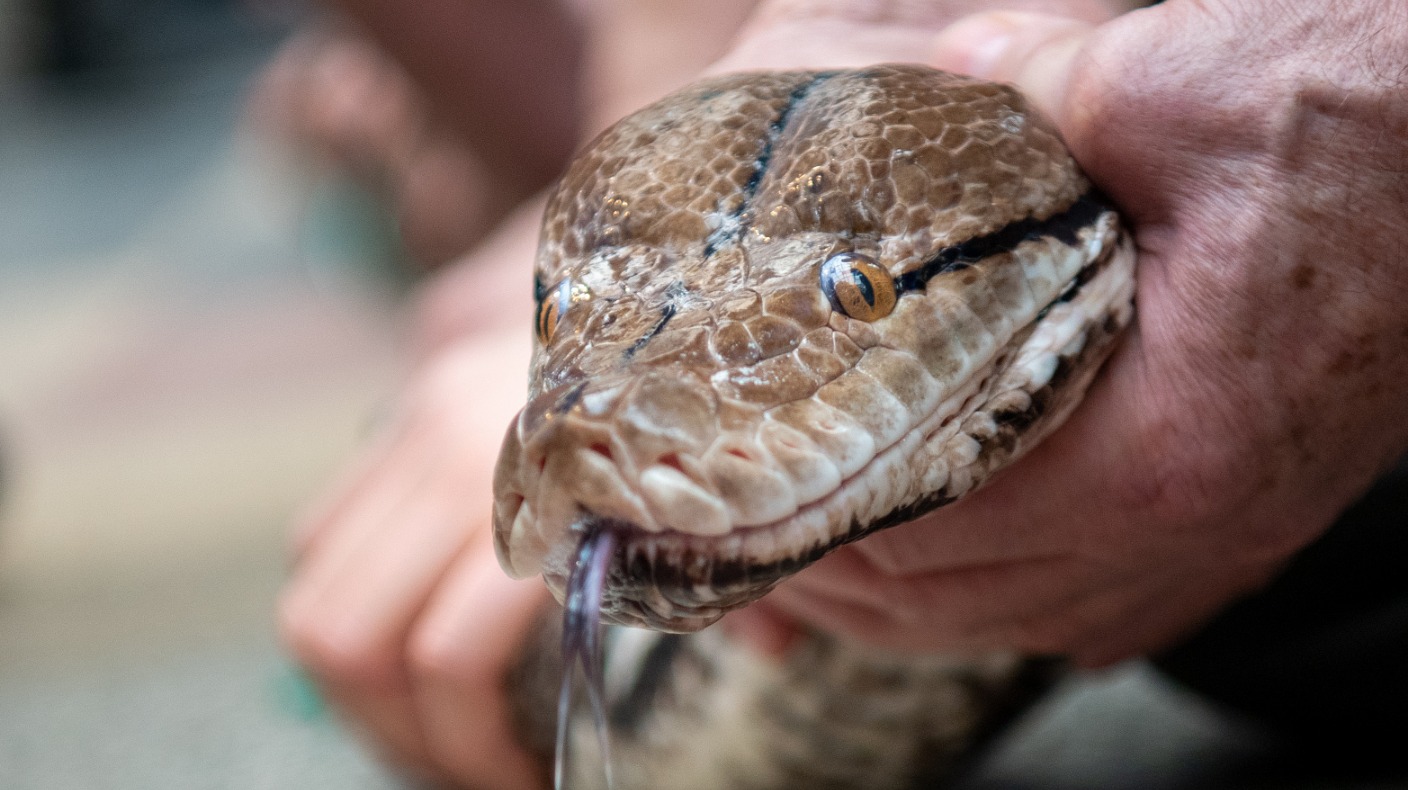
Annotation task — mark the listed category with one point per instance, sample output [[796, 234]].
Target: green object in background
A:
[[348, 226], [297, 696]]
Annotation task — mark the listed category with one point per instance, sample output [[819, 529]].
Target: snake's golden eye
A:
[[551, 307], [858, 287]]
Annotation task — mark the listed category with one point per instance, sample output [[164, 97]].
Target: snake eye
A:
[[857, 286], [551, 306]]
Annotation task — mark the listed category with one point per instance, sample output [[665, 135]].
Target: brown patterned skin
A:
[[693, 386], [883, 160], [872, 156], [844, 166]]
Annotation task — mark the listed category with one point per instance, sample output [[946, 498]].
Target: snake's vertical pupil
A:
[[858, 287], [551, 306], [867, 291]]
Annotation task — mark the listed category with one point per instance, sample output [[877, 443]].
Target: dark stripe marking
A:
[[764, 158], [666, 313], [569, 399], [1063, 227]]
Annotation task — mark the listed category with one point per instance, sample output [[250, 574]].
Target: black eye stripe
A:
[[1064, 227]]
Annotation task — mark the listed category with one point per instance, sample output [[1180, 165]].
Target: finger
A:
[[933, 13], [384, 721], [356, 100], [359, 593], [350, 628], [1134, 622], [354, 662], [460, 653], [852, 33], [935, 542], [1057, 608], [348, 611], [1082, 624], [372, 598], [1165, 615], [1059, 499], [828, 34], [1035, 51], [402, 453], [822, 43], [862, 622], [450, 427], [373, 467], [849, 574], [373, 503], [939, 611]]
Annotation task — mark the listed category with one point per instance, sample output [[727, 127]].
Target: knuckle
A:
[[335, 652], [435, 658], [439, 658]]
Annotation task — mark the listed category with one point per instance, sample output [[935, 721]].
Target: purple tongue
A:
[[581, 645]]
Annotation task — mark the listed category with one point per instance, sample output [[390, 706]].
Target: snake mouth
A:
[[676, 586], [672, 580]]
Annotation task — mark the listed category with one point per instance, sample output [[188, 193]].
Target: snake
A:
[[778, 312]]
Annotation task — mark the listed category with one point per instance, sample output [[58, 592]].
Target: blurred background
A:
[[193, 332], [196, 325]]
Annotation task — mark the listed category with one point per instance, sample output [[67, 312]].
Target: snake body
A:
[[778, 312]]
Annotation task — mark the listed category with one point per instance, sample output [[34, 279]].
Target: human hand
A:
[[396, 604], [339, 101], [1260, 152]]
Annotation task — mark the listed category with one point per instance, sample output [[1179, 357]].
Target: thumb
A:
[[1036, 52]]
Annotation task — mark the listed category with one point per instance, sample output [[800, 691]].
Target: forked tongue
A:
[[582, 647]]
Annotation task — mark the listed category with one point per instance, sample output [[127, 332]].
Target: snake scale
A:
[[778, 312]]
